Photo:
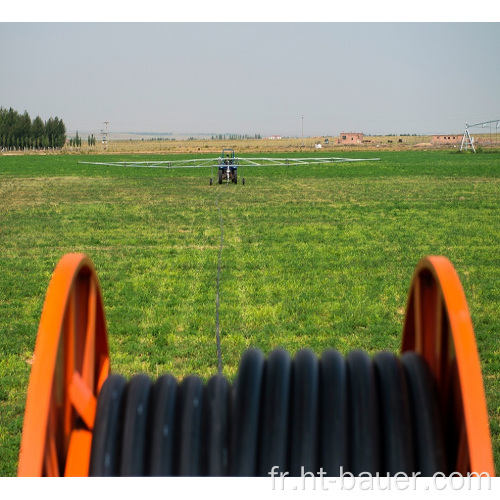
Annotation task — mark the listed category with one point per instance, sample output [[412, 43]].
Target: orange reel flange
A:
[[71, 362], [438, 327]]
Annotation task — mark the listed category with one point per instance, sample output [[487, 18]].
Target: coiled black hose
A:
[[304, 415]]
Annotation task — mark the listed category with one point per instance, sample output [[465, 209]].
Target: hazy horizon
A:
[[253, 78]]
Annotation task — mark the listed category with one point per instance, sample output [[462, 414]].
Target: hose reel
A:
[[423, 411]]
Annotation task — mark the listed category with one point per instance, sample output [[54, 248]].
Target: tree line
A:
[[18, 131]]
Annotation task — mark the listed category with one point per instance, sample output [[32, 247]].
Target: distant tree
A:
[[37, 131], [18, 131], [50, 131], [3, 128], [8, 126], [60, 130], [22, 128]]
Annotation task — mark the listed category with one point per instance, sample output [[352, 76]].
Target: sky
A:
[[259, 77]]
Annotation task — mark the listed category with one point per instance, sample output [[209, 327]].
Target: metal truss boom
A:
[[467, 140], [239, 161]]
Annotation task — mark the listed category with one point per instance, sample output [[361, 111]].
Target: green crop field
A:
[[315, 257]]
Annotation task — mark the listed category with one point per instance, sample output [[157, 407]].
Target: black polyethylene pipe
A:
[[275, 409], [363, 409], [163, 426], [217, 426], [189, 436], [245, 414], [333, 416], [396, 439], [427, 423], [303, 438], [134, 435], [303, 416], [106, 439]]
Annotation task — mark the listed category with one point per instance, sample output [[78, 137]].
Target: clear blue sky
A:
[[254, 77]]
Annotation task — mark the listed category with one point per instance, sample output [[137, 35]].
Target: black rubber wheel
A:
[[395, 424], [211, 181], [216, 410], [134, 436], [363, 409], [106, 438], [163, 425], [235, 176], [245, 414], [304, 413], [243, 181], [190, 419], [428, 432], [220, 176], [333, 416], [274, 413]]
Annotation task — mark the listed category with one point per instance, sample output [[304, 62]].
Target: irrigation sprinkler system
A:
[[424, 411], [468, 140], [227, 164]]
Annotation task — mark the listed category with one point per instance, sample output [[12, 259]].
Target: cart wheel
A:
[[71, 362], [438, 327], [220, 176], [211, 181], [243, 181]]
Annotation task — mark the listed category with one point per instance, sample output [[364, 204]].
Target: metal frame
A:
[[240, 161], [467, 140]]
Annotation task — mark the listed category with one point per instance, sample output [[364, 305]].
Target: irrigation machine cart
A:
[[228, 167]]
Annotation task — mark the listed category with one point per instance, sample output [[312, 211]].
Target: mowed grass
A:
[[314, 257]]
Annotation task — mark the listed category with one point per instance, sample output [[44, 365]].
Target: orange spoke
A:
[[78, 460], [83, 399], [51, 460]]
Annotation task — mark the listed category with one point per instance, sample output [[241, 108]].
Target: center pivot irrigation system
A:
[[468, 140], [424, 411], [227, 164]]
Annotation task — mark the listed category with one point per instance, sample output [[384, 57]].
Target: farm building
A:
[[446, 139], [350, 138]]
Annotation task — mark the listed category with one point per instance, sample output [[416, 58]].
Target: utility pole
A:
[[302, 130], [105, 136]]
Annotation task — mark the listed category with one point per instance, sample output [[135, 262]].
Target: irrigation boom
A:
[[240, 161], [228, 164]]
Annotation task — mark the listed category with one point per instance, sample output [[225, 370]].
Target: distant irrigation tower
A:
[[468, 140], [105, 136]]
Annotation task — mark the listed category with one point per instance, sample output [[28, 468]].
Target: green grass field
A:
[[313, 257]]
